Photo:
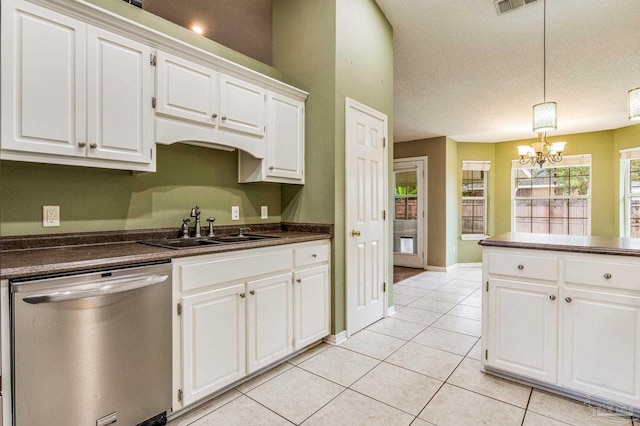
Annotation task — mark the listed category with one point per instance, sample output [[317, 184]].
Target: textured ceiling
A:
[[463, 71]]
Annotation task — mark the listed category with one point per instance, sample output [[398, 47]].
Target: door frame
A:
[[352, 105], [423, 203]]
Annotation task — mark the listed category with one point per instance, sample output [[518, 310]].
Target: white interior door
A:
[[366, 200], [409, 215]]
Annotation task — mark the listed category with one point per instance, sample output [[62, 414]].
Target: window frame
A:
[[471, 166], [567, 161], [626, 196]]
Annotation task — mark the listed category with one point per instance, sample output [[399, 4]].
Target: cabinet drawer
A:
[[308, 255], [533, 267], [223, 269], [604, 274]]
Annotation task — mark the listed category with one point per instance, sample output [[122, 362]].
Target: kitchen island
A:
[[563, 313]]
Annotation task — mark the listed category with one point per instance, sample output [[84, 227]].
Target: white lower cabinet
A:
[[269, 323], [311, 294], [580, 332], [601, 344], [523, 328], [235, 313], [213, 346]]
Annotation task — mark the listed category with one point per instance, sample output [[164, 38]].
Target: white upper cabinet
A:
[[186, 90], [43, 83], [242, 106], [284, 161], [72, 93], [119, 125]]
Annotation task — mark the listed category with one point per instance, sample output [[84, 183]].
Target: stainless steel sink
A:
[[185, 243], [181, 243]]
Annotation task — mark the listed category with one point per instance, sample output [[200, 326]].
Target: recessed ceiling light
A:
[[197, 29]]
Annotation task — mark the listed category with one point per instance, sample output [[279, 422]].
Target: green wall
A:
[[337, 49], [103, 200]]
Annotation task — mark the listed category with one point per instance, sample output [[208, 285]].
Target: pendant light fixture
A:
[[634, 104], [545, 115], [545, 119]]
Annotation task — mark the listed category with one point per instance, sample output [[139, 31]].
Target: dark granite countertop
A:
[[38, 255], [570, 243]]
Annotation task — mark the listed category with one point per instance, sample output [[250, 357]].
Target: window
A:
[[474, 198], [554, 199], [630, 190], [406, 196]]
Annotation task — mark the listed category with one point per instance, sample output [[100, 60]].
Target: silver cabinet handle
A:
[[607, 276], [521, 267], [93, 145], [243, 295], [214, 115], [299, 280], [252, 292], [82, 144], [224, 117], [567, 299], [552, 297]]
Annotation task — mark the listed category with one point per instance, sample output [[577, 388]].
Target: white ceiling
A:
[[463, 71]]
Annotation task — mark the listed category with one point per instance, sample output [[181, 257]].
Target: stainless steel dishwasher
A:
[[92, 349]]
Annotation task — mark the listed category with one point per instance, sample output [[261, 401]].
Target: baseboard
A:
[[391, 310], [454, 266], [336, 339]]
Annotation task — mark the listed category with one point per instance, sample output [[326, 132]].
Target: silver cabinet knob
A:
[[214, 115], [243, 295], [521, 267], [252, 292], [82, 144], [299, 280], [567, 299], [552, 297], [607, 276], [224, 117], [93, 145], [270, 167], [314, 255]]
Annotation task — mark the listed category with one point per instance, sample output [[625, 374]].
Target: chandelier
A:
[[541, 151], [545, 119]]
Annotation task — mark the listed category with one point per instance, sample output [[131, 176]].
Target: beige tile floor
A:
[[419, 367]]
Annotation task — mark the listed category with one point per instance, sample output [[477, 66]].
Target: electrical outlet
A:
[[264, 212], [235, 213], [50, 216]]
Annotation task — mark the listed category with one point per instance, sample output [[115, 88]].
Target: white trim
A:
[[336, 339], [5, 345], [449, 268], [473, 237], [476, 165], [391, 311], [630, 154]]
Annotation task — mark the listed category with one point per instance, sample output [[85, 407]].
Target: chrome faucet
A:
[[211, 220], [242, 229], [185, 227], [195, 212]]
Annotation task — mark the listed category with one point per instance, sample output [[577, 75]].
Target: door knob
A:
[[355, 233]]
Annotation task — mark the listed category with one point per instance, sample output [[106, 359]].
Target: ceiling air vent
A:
[[503, 6]]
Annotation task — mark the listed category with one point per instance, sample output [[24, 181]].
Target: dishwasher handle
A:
[[101, 289]]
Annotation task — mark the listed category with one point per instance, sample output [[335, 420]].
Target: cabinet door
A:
[[285, 140], [242, 106], [269, 320], [119, 113], [185, 89], [523, 329], [601, 344], [43, 83], [213, 341], [311, 305]]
